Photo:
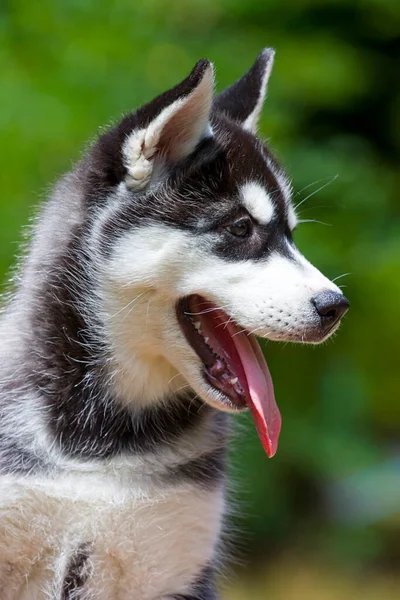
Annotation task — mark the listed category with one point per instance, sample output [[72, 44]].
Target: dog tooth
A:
[[206, 340], [234, 380], [197, 325]]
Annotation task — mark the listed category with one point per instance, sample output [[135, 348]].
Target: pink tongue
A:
[[262, 404]]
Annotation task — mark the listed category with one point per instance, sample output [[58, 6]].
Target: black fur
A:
[[208, 185], [240, 99], [77, 573], [105, 169], [204, 588], [86, 420], [67, 366], [207, 470]]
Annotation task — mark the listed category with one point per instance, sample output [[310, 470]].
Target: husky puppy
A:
[[130, 337]]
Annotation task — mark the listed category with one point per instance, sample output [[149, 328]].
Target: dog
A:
[[130, 337]]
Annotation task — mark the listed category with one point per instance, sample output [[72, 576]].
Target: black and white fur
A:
[[112, 451]]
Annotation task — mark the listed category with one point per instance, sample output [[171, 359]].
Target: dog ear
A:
[[170, 127], [242, 102]]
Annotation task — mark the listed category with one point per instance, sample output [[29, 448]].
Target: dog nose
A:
[[331, 307]]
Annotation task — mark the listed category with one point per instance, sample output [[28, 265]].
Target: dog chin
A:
[[218, 399], [312, 335], [193, 373]]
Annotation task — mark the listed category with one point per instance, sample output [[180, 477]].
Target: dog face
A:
[[194, 229]]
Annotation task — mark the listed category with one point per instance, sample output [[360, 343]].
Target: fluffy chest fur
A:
[[108, 534]]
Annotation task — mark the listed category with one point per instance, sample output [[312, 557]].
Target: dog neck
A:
[[140, 372], [88, 362]]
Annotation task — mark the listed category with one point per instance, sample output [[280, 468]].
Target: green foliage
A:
[[69, 67]]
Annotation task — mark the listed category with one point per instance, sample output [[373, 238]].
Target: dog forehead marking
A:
[[258, 202]]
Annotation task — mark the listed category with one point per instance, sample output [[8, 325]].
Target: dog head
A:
[[193, 227]]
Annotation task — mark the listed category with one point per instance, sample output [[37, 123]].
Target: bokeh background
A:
[[320, 520]]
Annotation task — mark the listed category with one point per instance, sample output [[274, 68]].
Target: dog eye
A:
[[241, 228]]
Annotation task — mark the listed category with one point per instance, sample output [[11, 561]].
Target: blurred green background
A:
[[321, 520]]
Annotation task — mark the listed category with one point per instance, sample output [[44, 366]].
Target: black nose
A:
[[330, 306]]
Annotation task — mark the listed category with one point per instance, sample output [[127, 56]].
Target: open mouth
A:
[[233, 364]]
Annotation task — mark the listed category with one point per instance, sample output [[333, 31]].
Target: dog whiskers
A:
[[340, 276], [225, 323], [174, 377], [204, 312], [316, 191], [240, 331], [147, 312], [313, 221], [131, 302], [306, 187]]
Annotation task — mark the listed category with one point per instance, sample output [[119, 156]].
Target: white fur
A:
[[138, 160], [271, 298], [136, 546], [284, 184], [257, 202], [292, 218], [174, 133], [286, 190], [252, 120]]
